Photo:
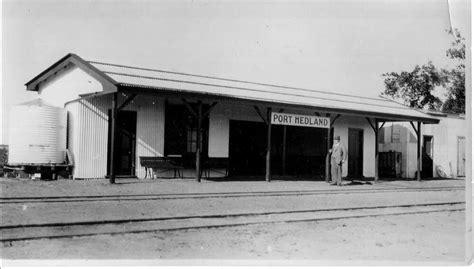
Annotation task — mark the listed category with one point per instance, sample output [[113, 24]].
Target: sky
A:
[[342, 46]]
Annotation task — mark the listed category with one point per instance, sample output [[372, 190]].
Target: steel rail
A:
[[223, 225], [147, 197], [215, 216]]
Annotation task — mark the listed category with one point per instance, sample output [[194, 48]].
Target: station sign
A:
[[300, 120]]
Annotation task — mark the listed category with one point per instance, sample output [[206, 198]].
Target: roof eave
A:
[[168, 92]]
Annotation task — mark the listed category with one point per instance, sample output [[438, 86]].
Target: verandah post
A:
[[113, 138], [269, 144], [198, 143], [327, 161], [283, 157], [376, 170], [418, 152]]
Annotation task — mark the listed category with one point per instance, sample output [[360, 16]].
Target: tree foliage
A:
[[416, 87], [456, 95]]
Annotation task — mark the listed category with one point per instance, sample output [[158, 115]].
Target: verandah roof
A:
[[166, 81]]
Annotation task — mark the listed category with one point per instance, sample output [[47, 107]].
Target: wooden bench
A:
[[212, 164], [161, 163]]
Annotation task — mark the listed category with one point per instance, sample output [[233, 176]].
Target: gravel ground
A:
[[424, 237], [431, 237]]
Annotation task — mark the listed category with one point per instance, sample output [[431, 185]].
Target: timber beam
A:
[[126, 102], [261, 115]]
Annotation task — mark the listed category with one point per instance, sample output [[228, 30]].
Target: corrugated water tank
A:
[[37, 133]]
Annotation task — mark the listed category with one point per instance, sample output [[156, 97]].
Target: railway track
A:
[[12, 233], [167, 196]]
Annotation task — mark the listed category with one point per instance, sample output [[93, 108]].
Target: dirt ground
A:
[[431, 237]]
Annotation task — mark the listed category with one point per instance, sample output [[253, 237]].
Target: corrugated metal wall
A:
[[88, 133], [90, 137]]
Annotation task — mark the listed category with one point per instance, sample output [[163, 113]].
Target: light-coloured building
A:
[[157, 113], [443, 146]]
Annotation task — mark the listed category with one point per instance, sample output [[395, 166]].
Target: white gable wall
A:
[[67, 85]]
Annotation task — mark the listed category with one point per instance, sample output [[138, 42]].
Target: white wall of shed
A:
[[445, 139], [341, 128], [67, 85]]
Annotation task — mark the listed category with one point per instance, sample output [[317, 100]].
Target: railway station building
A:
[[118, 115]]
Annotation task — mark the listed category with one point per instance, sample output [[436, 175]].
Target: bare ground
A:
[[427, 237]]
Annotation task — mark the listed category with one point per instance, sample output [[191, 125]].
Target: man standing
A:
[[338, 157]]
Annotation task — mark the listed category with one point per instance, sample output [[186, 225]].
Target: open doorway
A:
[[427, 157], [355, 153], [126, 143]]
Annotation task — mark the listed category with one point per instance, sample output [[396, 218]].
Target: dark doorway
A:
[[427, 157], [126, 142], [305, 149], [247, 147], [355, 153]]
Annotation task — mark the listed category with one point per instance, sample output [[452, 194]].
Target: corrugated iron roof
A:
[[160, 79], [167, 81]]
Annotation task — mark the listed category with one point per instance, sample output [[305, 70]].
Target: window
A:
[[192, 139], [428, 145], [181, 133]]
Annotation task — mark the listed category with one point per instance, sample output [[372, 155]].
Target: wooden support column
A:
[[113, 138], [376, 169], [269, 145], [283, 153], [418, 150], [418, 153], [198, 143], [328, 160], [283, 157]]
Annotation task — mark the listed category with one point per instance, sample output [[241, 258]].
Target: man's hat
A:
[[337, 138]]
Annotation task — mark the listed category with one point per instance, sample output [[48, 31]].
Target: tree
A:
[[456, 95], [416, 87]]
